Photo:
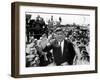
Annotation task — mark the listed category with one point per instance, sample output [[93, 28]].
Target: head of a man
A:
[[59, 35]]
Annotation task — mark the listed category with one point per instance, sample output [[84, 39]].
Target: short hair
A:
[[58, 29]]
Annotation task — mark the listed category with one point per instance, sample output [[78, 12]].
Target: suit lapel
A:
[[65, 47]]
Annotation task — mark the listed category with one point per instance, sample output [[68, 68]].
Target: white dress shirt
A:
[[62, 45]]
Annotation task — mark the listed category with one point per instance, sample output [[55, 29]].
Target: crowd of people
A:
[[37, 31]]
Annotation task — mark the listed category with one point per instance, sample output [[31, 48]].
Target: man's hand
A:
[[43, 42]]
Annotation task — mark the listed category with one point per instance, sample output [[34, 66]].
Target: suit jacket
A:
[[68, 53]]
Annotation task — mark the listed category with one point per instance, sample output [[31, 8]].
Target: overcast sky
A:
[[66, 18]]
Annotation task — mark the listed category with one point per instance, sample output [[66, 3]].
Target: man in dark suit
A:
[[63, 50]]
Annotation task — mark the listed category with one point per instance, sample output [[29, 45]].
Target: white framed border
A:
[[54, 69]]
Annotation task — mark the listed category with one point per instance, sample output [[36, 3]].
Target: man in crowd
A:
[[63, 50]]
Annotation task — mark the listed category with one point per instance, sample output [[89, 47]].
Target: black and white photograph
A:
[[57, 39], [54, 39]]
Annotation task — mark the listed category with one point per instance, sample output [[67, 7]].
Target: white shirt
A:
[[62, 46]]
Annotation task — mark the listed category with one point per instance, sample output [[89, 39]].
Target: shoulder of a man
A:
[[68, 41]]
